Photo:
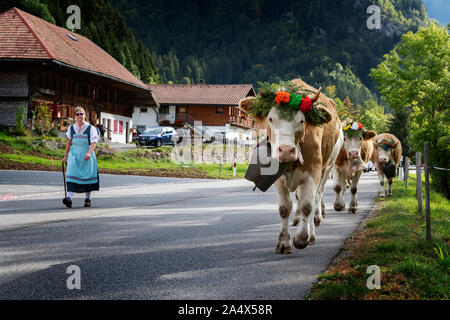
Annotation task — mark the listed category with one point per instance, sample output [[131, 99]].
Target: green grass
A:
[[32, 150], [394, 240]]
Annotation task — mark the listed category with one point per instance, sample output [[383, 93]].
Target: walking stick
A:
[[65, 187], [64, 177]]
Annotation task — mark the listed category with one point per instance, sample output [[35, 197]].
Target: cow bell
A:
[[388, 169], [263, 169]]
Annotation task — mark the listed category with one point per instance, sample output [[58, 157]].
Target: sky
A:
[[439, 10]]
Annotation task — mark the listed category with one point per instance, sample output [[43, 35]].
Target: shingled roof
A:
[[24, 36], [201, 94]]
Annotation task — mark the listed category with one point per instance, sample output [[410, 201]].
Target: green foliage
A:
[[34, 7], [20, 118], [374, 118], [414, 77], [346, 109], [42, 120]]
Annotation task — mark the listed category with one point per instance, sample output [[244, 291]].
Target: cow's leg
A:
[[323, 207], [339, 189], [319, 214], [318, 217], [353, 190], [306, 231], [296, 220], [381, 177], [285, 207], [389, 188]]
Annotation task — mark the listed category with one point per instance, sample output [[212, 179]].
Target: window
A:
[[143, 110], [164, 110], [121, 127], [219, 110], [116, 123]]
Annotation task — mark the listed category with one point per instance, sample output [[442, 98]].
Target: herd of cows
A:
[[313, 151]]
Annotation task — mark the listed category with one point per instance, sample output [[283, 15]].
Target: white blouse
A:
[[94, 132]]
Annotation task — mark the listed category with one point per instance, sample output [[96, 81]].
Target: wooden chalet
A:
[[213, 104], [44, 63]]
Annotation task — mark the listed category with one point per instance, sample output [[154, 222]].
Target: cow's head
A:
[[385, 149], [354, 135], [285, 134]]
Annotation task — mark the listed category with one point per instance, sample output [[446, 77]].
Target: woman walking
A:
[[82, 173]]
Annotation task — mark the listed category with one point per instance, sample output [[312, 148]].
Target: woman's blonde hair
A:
[[78, 108]]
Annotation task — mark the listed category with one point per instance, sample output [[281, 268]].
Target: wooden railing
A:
[[242, 122]]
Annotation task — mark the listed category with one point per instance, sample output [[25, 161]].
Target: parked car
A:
[[158, 136]]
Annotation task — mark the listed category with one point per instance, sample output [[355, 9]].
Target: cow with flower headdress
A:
[[304, 132], [352, 159], [386, 156]]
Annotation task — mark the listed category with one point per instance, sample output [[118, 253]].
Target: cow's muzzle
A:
[[289, 154], [353, 155]]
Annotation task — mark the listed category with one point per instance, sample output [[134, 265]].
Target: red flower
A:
[[360, 126], [305, 105]]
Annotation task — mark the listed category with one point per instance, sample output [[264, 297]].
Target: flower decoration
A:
[[385, 144], [289, 99], [282, 97], [305, 105], [354, 129]]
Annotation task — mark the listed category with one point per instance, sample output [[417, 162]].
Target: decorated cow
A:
[[305, 134], [386, 156], [352, 159]]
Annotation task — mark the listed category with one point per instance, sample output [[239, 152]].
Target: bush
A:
[[19, 130], [43, 120]]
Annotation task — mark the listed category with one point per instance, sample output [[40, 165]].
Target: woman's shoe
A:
[[68, 202], [87, 202]]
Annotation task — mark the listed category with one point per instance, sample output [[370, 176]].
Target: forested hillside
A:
[[323, 41], [102, 24]]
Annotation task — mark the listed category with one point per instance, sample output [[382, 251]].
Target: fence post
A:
[[406, 170], [400, 170], [427, 193], [220, 167], [419, 181]]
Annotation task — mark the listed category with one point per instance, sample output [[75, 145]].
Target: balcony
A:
[[240, 122]]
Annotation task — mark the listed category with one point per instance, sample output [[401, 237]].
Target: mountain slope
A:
[[323, 41]]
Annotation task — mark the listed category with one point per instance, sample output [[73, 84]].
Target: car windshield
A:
[[153, 130]]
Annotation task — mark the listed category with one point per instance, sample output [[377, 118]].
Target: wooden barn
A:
[[44, 63]]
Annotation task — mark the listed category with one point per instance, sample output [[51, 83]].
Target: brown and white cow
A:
[[352, 159], [311, 150], [386, 156]]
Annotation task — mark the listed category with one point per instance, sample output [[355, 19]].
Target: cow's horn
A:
[[317, 95]]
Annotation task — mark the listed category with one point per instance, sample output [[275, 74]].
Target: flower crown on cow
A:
[[289, 98], [385, 144], [354, 129]]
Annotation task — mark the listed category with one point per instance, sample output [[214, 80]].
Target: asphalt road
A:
[[159, 238]]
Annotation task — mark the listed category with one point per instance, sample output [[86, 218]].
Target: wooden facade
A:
[[211, 116], [63, 88]]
